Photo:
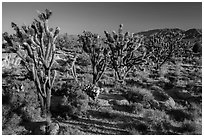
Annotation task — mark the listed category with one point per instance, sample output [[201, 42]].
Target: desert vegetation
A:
[[147, 83]]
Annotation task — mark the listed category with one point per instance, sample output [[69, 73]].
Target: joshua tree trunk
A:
[[48, 100]]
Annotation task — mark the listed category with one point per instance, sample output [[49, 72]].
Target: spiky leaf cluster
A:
[[44, 16]]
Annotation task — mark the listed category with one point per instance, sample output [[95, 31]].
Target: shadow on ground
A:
[[35, 128], [111, 96]]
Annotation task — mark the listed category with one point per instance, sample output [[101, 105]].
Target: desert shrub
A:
[[172, 77], [156, 115], [75, 102], [17, 100], [179, 115], [62, 88], [25, 106], [12, 125], [125, 106], [133, 131], [18, 107], [191, 86], [30, 114], [190, 127], [106, 113], [79, 100], [8, 72], [159, 93], [107, 80], [195, 110], [137, 128], [136, 108], [187, 127], [83, 60], [69, 130], [94, 105], [59, 89], [134, 82], [137, 95], [158, 120], [163, 70], [6, 115]]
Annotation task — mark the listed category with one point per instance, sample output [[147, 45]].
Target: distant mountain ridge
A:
[[193, 33], [189, 34]]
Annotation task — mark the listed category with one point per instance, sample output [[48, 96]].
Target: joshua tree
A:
[[162, 46], [35, 45], [126, 52], [91, 44]]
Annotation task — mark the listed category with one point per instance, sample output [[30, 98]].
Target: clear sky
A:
[[96, 17]]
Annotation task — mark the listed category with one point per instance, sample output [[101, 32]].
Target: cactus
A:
[[35, 45], [124, 52], [91, 45]]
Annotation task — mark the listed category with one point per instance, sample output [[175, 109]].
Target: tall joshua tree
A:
[[35, 45], [92, 45], [125, 52]]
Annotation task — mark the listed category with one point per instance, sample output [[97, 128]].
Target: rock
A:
[[170, 103], [165, 101], [41, 130], [53, 129], [155, 104], [103, 102], [104, 90], [146, 105], [122, 102]]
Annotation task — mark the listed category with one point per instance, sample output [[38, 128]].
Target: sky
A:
[[73, 18]]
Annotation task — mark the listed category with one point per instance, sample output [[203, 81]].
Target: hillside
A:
[[193, 33], [189, 34], [150, 101], [154, 31]]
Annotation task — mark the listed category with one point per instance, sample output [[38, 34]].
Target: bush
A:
[[138, 95], [158, 120], [137, 128], [79, 101], [69, 130], [105, 113], [180, 115], [74, 103], [190, 127], [136, 108], [18, 107], [12, 125], [6, 115]]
